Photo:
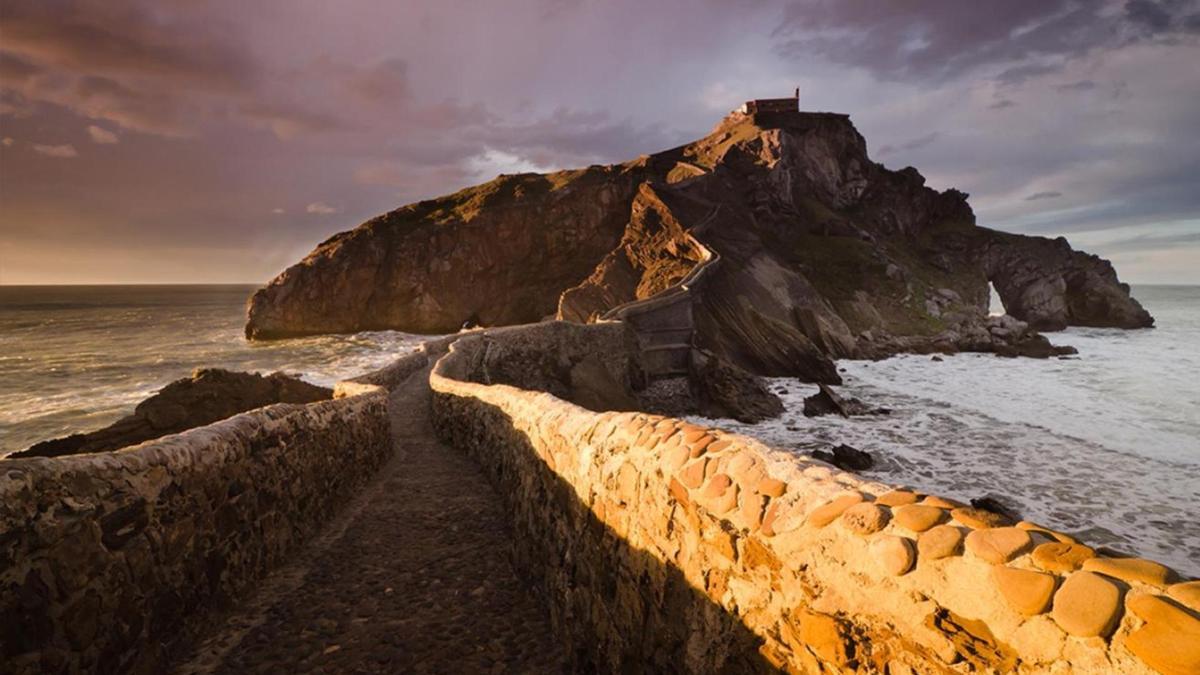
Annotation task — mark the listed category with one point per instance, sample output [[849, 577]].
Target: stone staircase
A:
[[664, 323]]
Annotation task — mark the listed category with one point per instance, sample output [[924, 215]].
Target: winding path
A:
[[414, 576]]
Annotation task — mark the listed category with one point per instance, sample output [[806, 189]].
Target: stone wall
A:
[[665, 546], [598, 366], [109, 561]]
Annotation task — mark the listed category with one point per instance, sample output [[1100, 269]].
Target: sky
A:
[[189, 141]]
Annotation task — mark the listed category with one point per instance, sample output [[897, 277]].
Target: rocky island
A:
[[817, 253]]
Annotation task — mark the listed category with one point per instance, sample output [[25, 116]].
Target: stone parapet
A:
[[110, 561], [666, 546]]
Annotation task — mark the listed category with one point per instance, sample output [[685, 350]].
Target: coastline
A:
[[925, 452]]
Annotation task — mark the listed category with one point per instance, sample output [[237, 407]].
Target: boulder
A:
[[996, 505], [846, 457], [725, 390], [826, 402], [1032, 345], [209, 395]]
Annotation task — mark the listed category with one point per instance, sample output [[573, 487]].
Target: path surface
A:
[[413, 577]]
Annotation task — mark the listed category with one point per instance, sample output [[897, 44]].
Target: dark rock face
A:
[[499, 253], [728, 391], [210, 394], [1051, 286], [823, 254], [846, 458]]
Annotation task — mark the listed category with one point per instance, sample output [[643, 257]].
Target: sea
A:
[[77, 358], [1105, 444]]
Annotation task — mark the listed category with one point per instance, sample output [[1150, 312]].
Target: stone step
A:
[[669, 346]]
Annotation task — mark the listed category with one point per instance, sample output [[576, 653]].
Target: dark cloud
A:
[[1081, 85], [940, 39], [1043, 195], [909, 145], [120, 38], [1153, 15], [1020, 74]]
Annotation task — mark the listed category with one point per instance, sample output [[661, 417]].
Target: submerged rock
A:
[[996, 505], [209, 395], [846, 457], [1033, 346]]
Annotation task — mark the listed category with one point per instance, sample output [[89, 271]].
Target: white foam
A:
[[938, 439]]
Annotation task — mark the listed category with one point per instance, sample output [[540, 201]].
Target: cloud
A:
[[320, 208], [288, 122], [101, 135], [120, 38], [1082, 85], [915, 143], [1151, 242], [138, 65], [63, 151], [224, 107], [7, 141], [942, 39], [384, 83], [278, 211], [1043, 195]]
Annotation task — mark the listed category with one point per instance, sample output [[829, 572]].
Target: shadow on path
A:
[[414, 576]]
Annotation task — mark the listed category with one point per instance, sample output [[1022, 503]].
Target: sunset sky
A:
[[219, 141]]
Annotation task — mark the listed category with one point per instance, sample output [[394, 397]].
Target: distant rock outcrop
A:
[[210, 394], [1051, 286], [824, 254]]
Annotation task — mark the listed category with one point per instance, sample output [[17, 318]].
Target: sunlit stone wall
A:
[[667, 546]]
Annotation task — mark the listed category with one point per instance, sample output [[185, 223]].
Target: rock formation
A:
[[210, 394], [846, 457], [820, 253], [827, 402], [725, 390]]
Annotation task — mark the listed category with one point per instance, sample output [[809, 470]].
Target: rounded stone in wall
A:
[[1087, 605], [894, 555], [827, 513], [865, 518], [1057, 556], [940, 541], [998, 545]]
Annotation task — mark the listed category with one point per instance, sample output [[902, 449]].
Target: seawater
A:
[[1105, 445], [76, 358]]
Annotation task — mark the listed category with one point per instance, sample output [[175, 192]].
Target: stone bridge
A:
[[458, 512]]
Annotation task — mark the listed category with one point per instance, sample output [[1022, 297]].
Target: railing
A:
[[663, 322]]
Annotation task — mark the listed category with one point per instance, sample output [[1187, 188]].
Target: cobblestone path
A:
[[414, 576]]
